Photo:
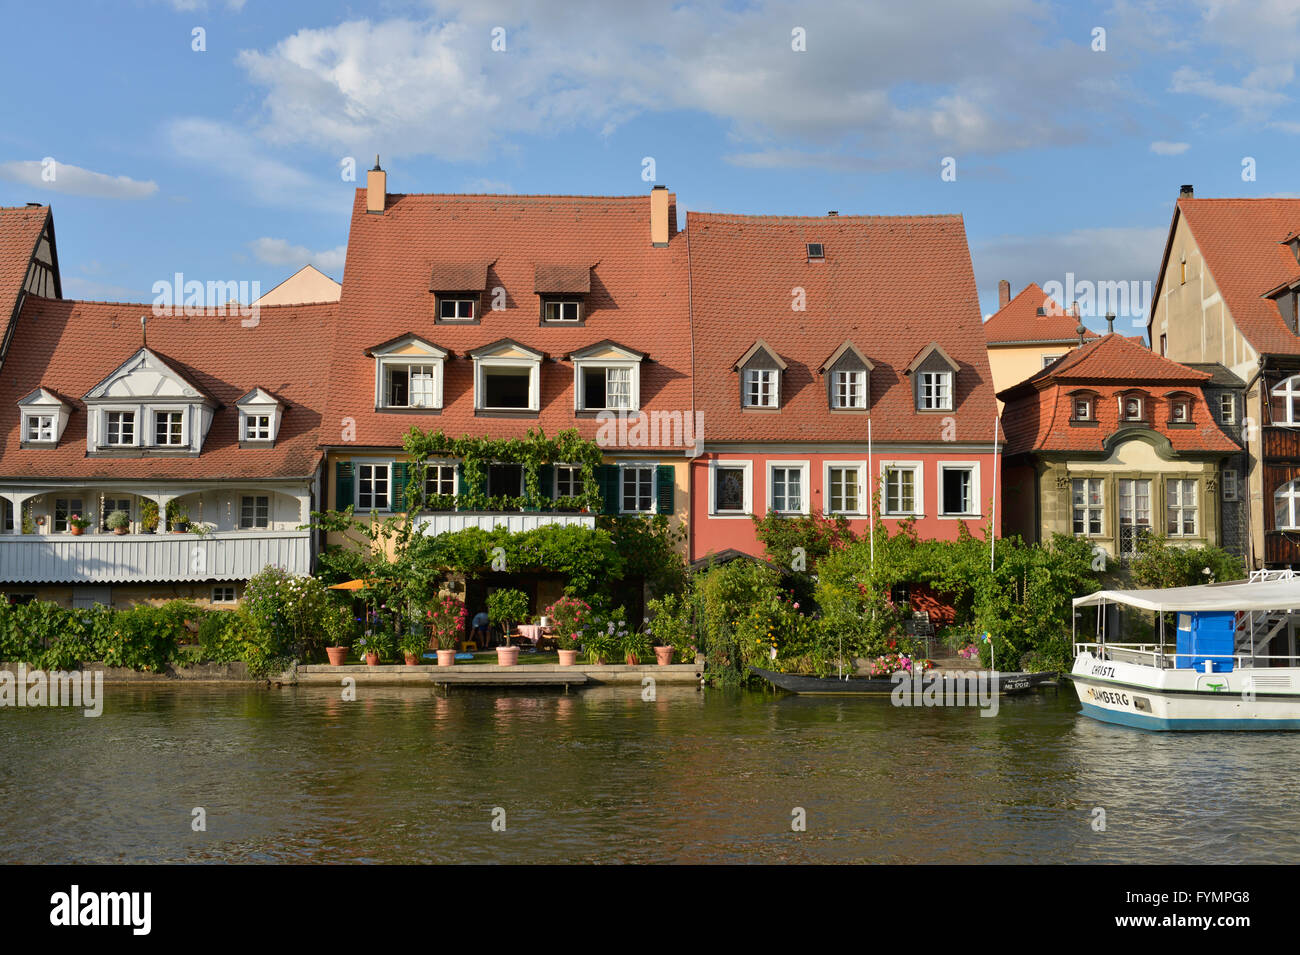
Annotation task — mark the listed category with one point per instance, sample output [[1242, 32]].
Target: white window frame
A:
[[555, 480], [1123, 408], [805, 490], [561, 302], [863, 497], [1088, 402], [623, 468], [1228, 407], [581, 366], [483, 365], [1048, 359], [389, 363], [51, 423], [459, 300], [107, 413], [1290, 491], [974, 468], [221, 589], [1186, 405], [918, 488], [768, 382], [852, 382], [935, 386], [252, 430], [1290, 390], [747, 493], [1088, 508], [444, 463], [1151, 526], [387, 465], [1230, 481], [1182, 507], [153, 434]]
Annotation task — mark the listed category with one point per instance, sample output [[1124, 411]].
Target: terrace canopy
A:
[[1234, 595]]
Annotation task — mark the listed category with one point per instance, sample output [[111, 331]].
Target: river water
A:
[[599, 775]]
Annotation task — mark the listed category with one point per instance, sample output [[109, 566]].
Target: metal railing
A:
[[1160, 656]]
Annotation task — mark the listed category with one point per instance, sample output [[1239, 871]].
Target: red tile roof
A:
[[1019, 321], [1037, 413], [20, 228], [889, 284], [1241, 240], [69, 347], [637, 298]]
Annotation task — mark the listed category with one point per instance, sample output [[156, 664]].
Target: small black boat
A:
[[884, 686]]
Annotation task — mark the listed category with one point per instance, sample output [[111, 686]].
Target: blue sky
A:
[[225, 163]]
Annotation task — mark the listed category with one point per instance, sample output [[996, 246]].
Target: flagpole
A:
[[871, 499], [993, 528]]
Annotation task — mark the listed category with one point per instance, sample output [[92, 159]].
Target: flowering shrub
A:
[[969, 652], [445, 618], [605, 636], [569, 616], [891, 663], [288, 612]]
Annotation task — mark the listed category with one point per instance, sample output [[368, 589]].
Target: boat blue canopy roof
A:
[[1232, 595]]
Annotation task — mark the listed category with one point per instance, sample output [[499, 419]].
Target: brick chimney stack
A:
[[376, 189], [659, 217], [1004, 293], [1186, 192]]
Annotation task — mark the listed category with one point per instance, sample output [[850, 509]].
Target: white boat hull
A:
[[1147, 697]]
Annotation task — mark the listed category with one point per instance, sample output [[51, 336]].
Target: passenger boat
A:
[[1002, 683], [1232, 664]]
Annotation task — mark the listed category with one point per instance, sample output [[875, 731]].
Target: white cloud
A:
[[1162, 148], [1256, 93], [234, 154], [282, 252], [64, 177], [436, 87]]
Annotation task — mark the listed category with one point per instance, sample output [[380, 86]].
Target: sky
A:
[[216, 137]]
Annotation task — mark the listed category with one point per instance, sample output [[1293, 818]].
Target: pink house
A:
[[837, 358]]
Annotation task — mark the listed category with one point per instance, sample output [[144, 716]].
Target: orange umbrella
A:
[[351, 585]]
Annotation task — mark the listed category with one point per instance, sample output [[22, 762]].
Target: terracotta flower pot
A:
[[568, 658], [75, 531], [663, 656], [631, 659], [411, 659], [372, 659], [337, 655], [119, 530], [508, 656], [446, 658]]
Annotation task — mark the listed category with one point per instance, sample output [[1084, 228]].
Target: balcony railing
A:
[[448, 523], [143, 558]]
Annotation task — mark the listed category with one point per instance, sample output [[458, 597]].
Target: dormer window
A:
[[457, 309], [408, 374], [507, 377], [606, 376], [119, 428], [562, 290], [1180, 408], [760, 388], [1131, 408], [760, 377], [848, 379], [1082, 408], [44, 415], [816, 252], [259, 417], [169, 428], [561, 310], [934, 375]]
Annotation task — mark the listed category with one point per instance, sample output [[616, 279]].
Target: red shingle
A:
[[890, 284], [20, 228], [1019, 320]]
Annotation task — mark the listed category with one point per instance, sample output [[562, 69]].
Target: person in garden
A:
[[479, 632]]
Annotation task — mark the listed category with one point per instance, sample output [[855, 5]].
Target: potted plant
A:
[[119, 522], [414, 642], [599, 644], [77, 524], [635, 644], [670, 626], [446, 619], [149, 516], [339, 627], [568, 616], [178, 517], [507, 606]]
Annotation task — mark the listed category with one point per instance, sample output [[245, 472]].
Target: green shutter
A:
[[344, 494], [399, 475], [460, 484], [546, 481], [607, 481], [665, 480]]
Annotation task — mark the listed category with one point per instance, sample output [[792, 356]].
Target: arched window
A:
[[1286, 506], [1286, 401]]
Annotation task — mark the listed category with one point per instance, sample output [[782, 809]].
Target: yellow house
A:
[[1026, 334]]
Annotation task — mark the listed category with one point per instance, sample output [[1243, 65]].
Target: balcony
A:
[[431, 525], [145, 558]]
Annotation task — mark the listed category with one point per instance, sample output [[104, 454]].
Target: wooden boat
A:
[[1003, 683]]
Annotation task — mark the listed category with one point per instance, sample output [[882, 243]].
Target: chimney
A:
[[833, 212], [1110, 323], [1186, 192], [1080, 330], [659, 217], [376, 189], [1074, 308], [1004, 293]]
